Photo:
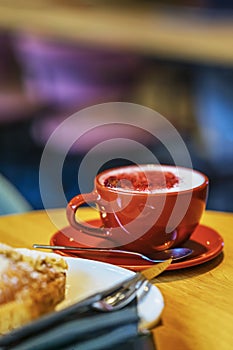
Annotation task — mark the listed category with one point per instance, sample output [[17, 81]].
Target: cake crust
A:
[[31, 285]]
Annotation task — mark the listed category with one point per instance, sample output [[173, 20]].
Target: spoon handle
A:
[[99, 250]]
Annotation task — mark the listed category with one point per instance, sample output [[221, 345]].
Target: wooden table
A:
[[198, 311]]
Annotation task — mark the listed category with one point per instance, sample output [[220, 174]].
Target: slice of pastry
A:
[[31, 284]]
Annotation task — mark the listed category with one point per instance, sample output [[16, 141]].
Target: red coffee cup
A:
[[144, 207]]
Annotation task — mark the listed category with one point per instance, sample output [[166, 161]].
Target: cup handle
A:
[[71, 209]]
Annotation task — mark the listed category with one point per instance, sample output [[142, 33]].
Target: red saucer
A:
[[205, 242]]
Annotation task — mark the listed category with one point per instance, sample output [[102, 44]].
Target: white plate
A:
[[86, 277]]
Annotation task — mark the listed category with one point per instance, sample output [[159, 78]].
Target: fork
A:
[[124, 293]]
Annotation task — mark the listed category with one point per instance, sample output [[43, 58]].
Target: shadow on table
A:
[[180, 274]]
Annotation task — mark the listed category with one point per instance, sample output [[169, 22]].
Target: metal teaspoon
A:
[[174, 253]]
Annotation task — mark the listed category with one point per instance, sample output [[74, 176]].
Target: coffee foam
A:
[[188, 178]]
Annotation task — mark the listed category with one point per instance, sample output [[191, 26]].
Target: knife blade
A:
[[155, 270]]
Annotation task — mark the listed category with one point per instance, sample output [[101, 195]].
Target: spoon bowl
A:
[[174, 253]]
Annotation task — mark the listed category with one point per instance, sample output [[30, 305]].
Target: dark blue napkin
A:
[[88, 330]]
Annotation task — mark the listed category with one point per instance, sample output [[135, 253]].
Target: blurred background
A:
[[57, 57]]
